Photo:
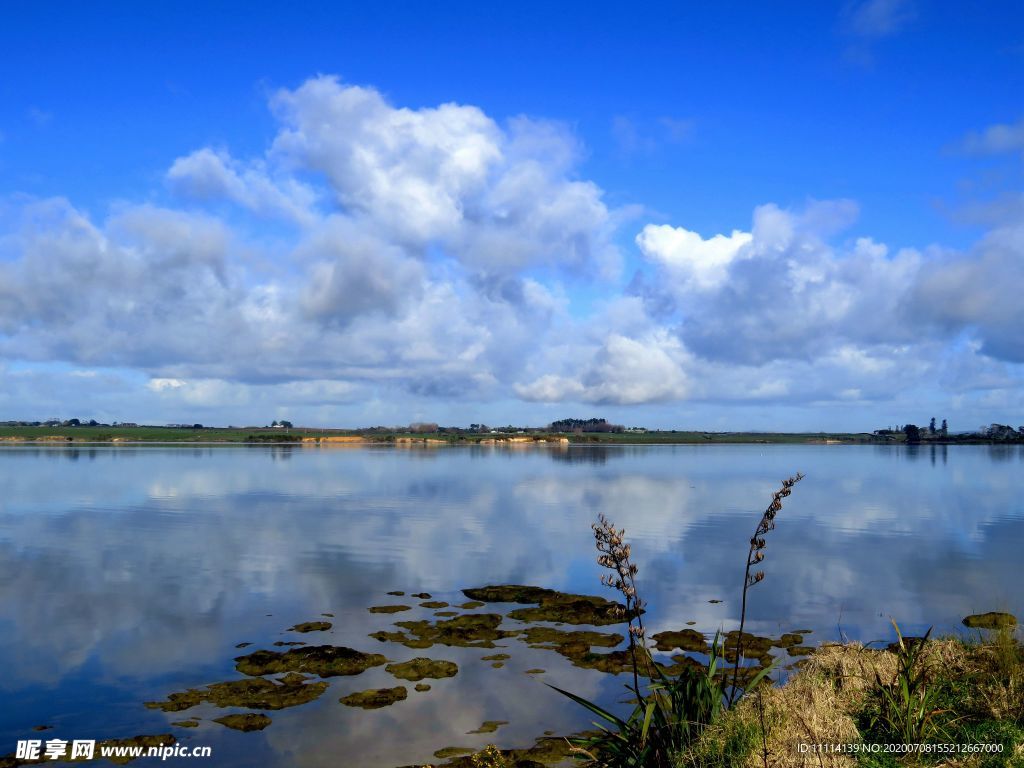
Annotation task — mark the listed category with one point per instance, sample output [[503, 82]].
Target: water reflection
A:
[[130, 572]]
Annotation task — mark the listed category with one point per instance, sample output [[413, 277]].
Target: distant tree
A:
[[273, 423], [197, 426], [931, 426], [945, 428], [912, 432], [285, 423]]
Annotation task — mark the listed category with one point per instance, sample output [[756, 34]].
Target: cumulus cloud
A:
[[997, 139], [496, 198], [209, 175], [625, 372], [980, 291], [439, 255]]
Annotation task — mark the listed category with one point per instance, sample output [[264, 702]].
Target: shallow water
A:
[[132, 572]]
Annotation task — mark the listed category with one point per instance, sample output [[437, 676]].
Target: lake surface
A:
[[131, 572]]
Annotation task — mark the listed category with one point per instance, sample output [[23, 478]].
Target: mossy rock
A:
[[447, 752], [788, 640], [469, 631], [397, 593], [446, 614], [251, 693], [375, 698], [488, 726], [799, 650], [991, 620], [496, 657], [685, 640], [551, 605], [185, 723], [471, 604], [311, 626], [321, 660], [421, 595], [421, 667], [389, 608], [288, 643], [434, 604], [422, 687], [535, 671], [754, 647], [247, 722]]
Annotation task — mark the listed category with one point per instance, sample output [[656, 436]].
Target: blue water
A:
[[130, 572]]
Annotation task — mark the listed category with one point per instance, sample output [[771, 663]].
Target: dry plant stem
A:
[[754, 556], [615, 556]]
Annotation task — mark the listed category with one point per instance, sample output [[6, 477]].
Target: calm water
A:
[[129, 573]]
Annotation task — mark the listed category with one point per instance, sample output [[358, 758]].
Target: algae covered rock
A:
[[252, 693], [311, 626], [551, 605], [469, 631], [247, 722], [389, 608], [991, 620], [488, 726], [684, 640], [421, 667], [321, 660], [375, 698]]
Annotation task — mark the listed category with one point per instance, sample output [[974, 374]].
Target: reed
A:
[[674, 711]]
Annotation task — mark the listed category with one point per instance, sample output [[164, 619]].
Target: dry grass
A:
[[818, 705]]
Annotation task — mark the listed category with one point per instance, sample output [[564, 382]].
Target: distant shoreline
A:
[[262, 436]]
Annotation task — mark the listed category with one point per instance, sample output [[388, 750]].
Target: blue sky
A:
[[793, 216]]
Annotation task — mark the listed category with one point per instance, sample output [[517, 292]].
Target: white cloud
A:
[[997, 139], [209, 175], [878, 18], [688, 257]]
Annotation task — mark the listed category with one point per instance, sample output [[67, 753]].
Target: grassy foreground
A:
[[970, 694], [841, 699]]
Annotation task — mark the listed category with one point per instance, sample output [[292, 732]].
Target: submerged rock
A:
[[375, 698], [321, 660], [788, 640], [488, 726], [991, 620], [186, 723], [754, 647], [252, 693], [420, 668], [551, 605], [247, 722], [684, 640], [388, 608], [471, 604], [496, 657], [446, 752], [311, 626], [470, 631]]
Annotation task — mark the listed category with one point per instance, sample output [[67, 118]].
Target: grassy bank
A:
[[968, 694]]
